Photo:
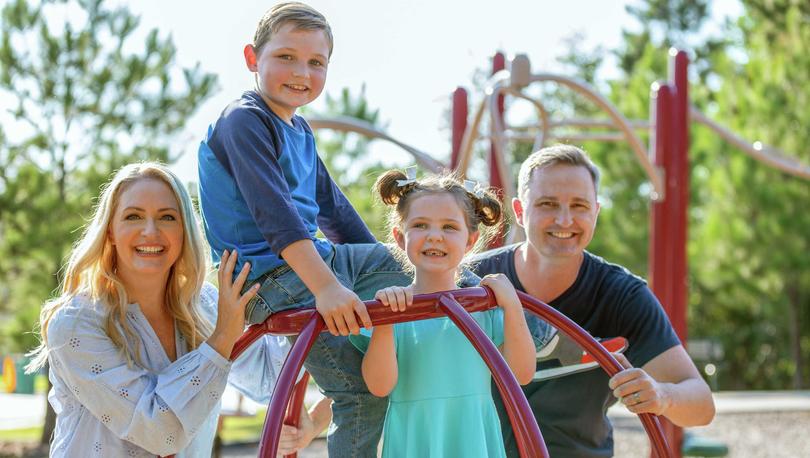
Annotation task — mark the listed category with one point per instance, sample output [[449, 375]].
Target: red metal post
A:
[[498, 64], [460, 113], [679, 167], [668, 234], [660, 233]]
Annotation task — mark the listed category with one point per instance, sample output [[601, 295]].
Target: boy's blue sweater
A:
[[263, 187]]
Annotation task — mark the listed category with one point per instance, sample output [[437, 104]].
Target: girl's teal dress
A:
[[442, 403]]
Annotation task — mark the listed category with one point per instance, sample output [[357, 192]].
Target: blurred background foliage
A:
[[87, 98]]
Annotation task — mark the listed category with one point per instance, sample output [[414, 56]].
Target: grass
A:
[[243, 429], [21, 435], [234, 430]]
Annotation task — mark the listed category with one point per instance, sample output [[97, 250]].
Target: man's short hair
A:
[[553, 155], [301, 15]]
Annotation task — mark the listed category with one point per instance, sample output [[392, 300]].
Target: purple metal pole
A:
[[284, 385], [529, 440], [308, 324]]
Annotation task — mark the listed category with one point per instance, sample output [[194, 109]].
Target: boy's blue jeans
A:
[[357, 415]]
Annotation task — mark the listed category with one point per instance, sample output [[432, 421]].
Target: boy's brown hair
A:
[[302, 16]]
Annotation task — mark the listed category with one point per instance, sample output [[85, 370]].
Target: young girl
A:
[[440, 398]]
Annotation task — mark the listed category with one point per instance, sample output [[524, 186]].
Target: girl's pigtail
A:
[[488, 208], [389, 190]]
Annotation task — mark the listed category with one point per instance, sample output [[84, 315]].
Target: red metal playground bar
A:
[[458, 304]]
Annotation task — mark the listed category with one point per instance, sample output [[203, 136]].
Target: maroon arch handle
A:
[[307, 323]]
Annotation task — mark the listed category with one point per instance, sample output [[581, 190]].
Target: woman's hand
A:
[[231, 304], [396, 297]]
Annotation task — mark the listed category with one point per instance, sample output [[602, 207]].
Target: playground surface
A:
[[762, 424]]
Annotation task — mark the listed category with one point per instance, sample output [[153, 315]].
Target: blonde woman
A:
[[138, 342]]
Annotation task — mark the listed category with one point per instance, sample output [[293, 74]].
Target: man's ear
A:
[[472, 239], [250, 58], [399, 237], [517, 207]]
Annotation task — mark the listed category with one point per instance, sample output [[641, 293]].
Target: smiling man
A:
[[557, 206]]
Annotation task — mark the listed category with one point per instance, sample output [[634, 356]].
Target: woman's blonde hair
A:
[[91, 269]]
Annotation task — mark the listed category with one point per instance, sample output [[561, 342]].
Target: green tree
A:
[[751, 263], [749, 271], [347, 157], [86, 93]]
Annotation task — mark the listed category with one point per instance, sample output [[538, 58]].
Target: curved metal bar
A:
[[605, 359], [529, 439], [619, 121], [309, 324], [597, 123], [497, 128], [348, 124], [500, 80], [545, 129], [284, 385], [763, 153], [252, 334], [292, 416], [468, 140], [516, 136], [424, 306]]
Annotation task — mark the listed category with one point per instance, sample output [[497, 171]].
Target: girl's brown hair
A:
[[481, 207]]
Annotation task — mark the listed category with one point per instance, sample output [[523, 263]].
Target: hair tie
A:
[[474, 188], [410, 173]]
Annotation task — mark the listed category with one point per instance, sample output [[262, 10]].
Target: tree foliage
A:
[[347, 157], [749, 272], [85, 91], [750, 263]]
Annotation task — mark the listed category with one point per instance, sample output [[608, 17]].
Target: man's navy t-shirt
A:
[[607, 301]]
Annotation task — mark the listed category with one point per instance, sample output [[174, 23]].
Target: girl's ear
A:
[[250, 58], [472, 239], [399, 237]]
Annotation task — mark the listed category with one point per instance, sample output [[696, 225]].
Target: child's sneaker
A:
[[562, 356]]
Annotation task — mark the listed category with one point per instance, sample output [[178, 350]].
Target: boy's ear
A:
[[250, 58], [399, 237]]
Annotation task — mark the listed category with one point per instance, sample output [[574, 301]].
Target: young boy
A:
[[265, 193]]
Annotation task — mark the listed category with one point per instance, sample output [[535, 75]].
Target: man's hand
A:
[[637, 390], [337, 305]]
